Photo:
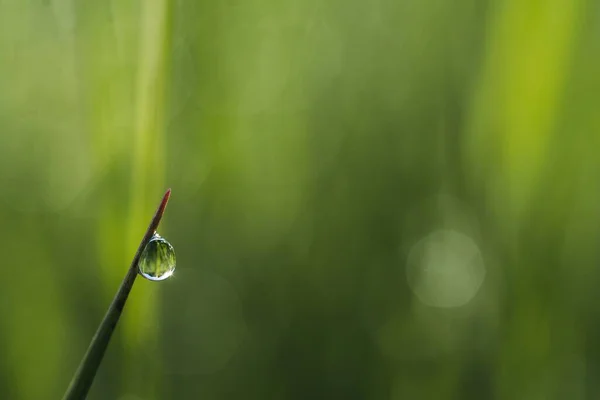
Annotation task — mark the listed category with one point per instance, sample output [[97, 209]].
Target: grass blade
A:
[[84, 376]]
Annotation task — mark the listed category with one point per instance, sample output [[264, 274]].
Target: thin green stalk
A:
[[84, 377]]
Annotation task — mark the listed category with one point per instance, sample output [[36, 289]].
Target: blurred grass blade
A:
[[84, 377]]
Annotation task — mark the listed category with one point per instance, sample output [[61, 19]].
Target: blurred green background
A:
[[383, 199]]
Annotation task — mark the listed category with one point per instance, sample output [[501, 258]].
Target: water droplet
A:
[[157, 261]]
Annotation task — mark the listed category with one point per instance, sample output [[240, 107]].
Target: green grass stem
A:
[[84, 376]]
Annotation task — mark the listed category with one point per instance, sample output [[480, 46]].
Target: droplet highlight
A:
[[157, 261]]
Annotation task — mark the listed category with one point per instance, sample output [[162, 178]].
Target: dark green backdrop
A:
[[383, 199]]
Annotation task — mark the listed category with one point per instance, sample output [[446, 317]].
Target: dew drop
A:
[[157, 261]]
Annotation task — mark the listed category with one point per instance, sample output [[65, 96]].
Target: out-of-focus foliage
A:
[[387, 199]]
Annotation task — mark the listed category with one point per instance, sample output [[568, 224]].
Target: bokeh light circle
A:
[[445, 269]]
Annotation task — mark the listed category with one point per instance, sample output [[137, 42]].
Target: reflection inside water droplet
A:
[[157, 261]]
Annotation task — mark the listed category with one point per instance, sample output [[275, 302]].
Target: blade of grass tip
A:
[[84, 377]]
